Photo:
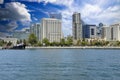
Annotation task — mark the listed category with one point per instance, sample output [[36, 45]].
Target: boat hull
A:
[[16, 47]]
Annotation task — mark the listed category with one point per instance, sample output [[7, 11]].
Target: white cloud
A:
[[59, 2], [109, 15], [19, 10], [34, 18], [113, 8], [3, 34], [9, 26], [24, 29], [13, 12], [89, 9]]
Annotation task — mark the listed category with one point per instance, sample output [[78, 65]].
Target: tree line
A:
[[69, 42], [33, 41]]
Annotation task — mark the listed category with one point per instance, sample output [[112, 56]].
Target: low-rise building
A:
[[12, 40], [90, 31]]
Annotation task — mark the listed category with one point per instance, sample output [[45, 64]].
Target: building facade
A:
[[90, 31], [51, 29], [12, 40], [36, 29], [115, 32], [111, 33], [106, 33], [99, 30], [77, 30]]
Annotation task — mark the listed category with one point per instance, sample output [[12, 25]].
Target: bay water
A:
[[60, 64]]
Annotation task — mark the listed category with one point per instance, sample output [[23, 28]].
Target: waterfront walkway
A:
[[74, 47]]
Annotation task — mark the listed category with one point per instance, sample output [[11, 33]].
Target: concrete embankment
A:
[[73, 47]]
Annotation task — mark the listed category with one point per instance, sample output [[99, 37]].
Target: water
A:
[[60, 64]]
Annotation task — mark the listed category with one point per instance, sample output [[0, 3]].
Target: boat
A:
[[18, 46]]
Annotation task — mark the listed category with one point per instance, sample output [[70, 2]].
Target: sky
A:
[[20, 14]]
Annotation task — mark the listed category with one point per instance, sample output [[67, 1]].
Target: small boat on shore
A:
[[18, 46]]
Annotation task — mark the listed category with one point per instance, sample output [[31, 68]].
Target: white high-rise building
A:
[[106, 33], [77, 26], [115, 32], [111, 33], [36, 29], [51, 29]]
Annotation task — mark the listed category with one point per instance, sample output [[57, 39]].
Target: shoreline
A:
[[71, 47], [74, 47]]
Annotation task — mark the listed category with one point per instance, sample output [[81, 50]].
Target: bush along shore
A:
[[64, 43]]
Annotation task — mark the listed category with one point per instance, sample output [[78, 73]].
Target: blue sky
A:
[[19, 14]]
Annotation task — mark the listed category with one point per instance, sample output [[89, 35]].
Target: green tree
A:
[[2, 42], [45, 42], [54, 43], [78, 42], [25, 42], [62, 42], [9, 43], [69, 41], [39, 43], [105, 43], [18, 42], [32, 39], [98, 43], [84, 43]]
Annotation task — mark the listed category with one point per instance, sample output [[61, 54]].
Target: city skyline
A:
[[32, 11]]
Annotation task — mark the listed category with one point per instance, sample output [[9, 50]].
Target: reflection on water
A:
[[60, 64]]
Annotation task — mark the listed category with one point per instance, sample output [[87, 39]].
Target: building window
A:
[[92, 31]]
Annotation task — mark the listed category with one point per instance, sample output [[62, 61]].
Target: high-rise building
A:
[[55, 15], [90, 31], [77, 26], [115, 32], [51, 29], [99, 30], [36, 29], [111, 33], [106, 33]]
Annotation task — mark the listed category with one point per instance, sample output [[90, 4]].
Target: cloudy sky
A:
[[19, 14]]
